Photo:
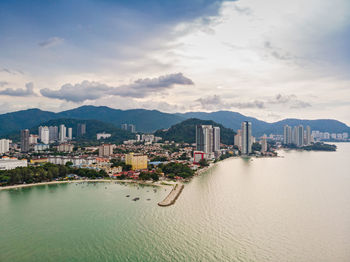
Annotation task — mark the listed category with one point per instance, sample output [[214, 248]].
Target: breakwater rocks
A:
[[173, 195]]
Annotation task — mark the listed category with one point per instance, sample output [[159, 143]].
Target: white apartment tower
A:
[[62, 134], [70, 133], [287, 135], [44, 134], [207, 138], [216, 138]]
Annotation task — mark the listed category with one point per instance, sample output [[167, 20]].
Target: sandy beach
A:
[[149, 183]]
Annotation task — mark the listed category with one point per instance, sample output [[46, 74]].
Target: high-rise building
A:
[[63, 133], [39, 132], [132, 128], [33, 139], [204, 138], [4, 146], [53, 133], [208, 139], [308, 135], [300, 136], [238, 139], [25, 140], [263, 143], [246, 138], [44, 134], [287, 135], [136, 161], [70, 133], [81, 129], [124, 126], [105, 150], [216, 139]]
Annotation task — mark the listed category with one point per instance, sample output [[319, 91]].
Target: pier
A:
[[173, 195]]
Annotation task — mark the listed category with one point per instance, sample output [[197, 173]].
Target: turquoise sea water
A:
[[295, 208]]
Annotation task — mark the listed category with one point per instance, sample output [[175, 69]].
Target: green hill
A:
[[186, 131]]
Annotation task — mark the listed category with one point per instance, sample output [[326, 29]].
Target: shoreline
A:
[[158, 183]]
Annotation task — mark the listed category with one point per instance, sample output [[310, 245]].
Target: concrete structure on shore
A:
[[173, 195]]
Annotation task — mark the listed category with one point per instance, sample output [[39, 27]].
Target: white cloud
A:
[[27, 91], [140, 88]]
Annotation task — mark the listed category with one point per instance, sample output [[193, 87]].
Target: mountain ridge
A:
[[152, 120]]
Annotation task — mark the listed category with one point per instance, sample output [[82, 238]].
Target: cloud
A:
[[215, 102], [87, 90], [11, 72], [242, 10], [291, 100], [51, 42], [278, 53], [27, 91], [3, 83]]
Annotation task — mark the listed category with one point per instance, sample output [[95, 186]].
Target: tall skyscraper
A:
[[81, 129], [62, 134], [246, 138], [124, 126], [300, 136], [53, 133], [39, 132], [204, 138], [44, 134], [238, 139], [308, 135], [287, 135], [70, 133], [216, 138], [207, 138], [25, 140]]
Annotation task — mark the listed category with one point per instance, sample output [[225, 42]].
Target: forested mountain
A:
[[152, 120], [186, 132]]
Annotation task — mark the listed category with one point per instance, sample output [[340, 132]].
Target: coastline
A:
[[148, 183]]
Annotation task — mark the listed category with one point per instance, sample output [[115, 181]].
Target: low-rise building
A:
[[7, 163], [102, 135], [105, 150], [41, 147], [65, 147]]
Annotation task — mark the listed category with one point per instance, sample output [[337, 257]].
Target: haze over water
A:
[[295, 208]]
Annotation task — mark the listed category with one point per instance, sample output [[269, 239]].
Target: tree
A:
[[256, 147], [203, 162], [69, 164]]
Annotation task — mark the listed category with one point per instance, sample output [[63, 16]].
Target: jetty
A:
[[173, 195]]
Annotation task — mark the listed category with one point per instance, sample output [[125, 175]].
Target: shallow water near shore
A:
[[294, 208]]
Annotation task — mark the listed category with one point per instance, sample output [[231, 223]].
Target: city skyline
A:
[[242, 56]]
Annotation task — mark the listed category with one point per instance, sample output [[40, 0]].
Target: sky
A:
[[270, 59]]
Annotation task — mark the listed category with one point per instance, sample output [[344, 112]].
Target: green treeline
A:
[[45, 173], [176, 169]]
